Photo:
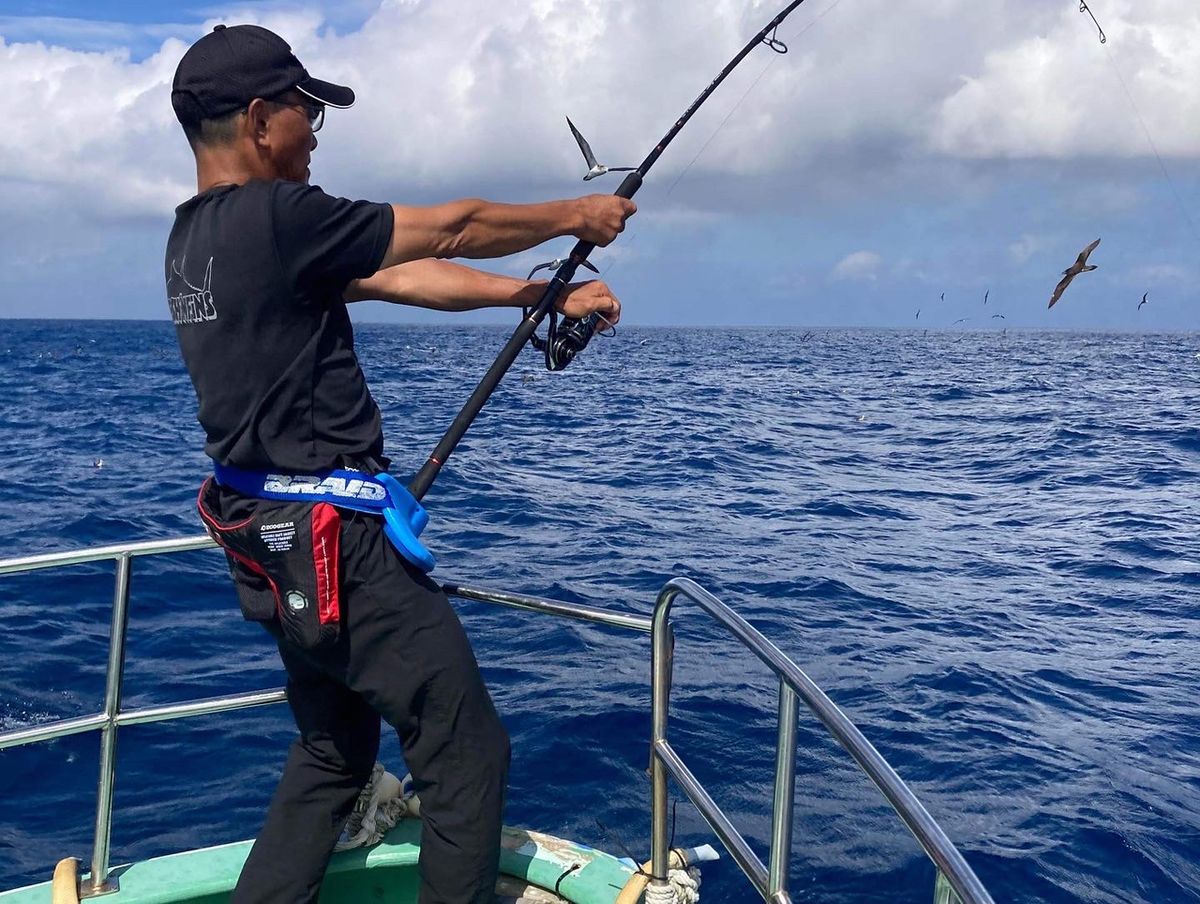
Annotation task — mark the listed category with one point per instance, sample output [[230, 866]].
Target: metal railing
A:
[[112, 717], [771, 884]]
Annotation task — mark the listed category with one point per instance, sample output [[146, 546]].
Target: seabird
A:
[[1080, 266], [1142, 302], [596, 169], [943, 296], [918, 317], [985, 295], [558, 262], [1001, 316], [961, 320]]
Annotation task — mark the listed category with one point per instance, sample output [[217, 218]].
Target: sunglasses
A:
[[314, 112]]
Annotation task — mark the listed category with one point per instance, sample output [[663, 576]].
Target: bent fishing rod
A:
[[561, 349]]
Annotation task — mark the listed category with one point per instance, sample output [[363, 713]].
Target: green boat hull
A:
[[383, 874]]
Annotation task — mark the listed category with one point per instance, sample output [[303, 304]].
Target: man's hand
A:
[[583, 298], [603, 218]]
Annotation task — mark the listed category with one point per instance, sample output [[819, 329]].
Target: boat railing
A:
[[955, 880]]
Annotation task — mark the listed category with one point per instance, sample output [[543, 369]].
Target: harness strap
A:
[[381, 494]]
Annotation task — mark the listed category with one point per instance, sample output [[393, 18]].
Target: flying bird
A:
[[985, 295], [961, 320], [1001, 316], [918, 317], [1080, 266], [1142, 302], [596, 169], [943, 296]]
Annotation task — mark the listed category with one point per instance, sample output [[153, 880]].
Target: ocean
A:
[[982, 545]]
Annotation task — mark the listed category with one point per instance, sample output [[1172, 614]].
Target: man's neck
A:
[[226, 166]]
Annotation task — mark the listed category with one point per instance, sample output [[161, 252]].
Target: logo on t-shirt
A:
[[190, 303]]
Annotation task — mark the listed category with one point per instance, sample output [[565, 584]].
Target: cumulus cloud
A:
[[454, 95], [873, 108], [861, 265], [1056, 92]]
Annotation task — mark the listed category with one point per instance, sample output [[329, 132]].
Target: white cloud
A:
[[455, 95], [861, 265], [1057, 92], [1158, 274], [1025, 247], [880, 129]]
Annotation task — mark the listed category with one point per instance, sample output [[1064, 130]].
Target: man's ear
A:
[[258, 115]]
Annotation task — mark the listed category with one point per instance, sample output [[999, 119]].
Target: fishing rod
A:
[[575, 334]]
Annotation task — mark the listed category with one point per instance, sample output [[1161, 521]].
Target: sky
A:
[[900, 158]]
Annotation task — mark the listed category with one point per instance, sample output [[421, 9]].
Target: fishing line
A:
[[576, 332], [771, 62], [774, 43], [1083, 8]]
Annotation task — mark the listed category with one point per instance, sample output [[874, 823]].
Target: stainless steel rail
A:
[[793, 683], [955, 877], [107, 722], [101, 553]]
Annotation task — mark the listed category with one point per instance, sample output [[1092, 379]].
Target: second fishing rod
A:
[[575, 333]]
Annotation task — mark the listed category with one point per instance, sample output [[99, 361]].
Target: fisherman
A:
[[260, 266]]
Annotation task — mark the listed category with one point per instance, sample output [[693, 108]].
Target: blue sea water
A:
[[982, 545]]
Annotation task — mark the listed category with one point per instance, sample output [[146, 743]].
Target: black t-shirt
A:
[[255, 275]]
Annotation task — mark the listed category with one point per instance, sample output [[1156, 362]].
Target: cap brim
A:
[[327, 92]]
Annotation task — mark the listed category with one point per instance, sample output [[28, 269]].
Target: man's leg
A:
[[327, 766], [411, 660]]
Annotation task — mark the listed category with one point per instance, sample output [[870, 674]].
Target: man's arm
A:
[[479, 229], [446, 286]]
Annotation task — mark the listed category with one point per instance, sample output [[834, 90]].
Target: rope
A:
[[685, 884], [380, 805], [682, 887]]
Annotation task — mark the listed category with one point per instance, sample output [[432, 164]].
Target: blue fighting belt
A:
[[403, 517]]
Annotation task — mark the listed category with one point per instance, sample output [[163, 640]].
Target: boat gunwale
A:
[[582, 874]]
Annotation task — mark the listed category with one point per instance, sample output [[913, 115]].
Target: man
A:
[[259, 268]]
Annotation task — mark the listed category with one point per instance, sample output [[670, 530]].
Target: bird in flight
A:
[[1001, 316], [1142, 302], [918, 314], [961, 320], [596, 169], [943, 296], [985, 295], [1080, 266]]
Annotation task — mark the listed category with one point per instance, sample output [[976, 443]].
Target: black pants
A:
[[403, 655]]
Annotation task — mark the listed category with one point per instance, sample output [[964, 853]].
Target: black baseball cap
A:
[[232, 65]]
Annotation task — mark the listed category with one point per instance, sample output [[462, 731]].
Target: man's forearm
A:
[[445, 286], [478, 229], [486, 229]]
